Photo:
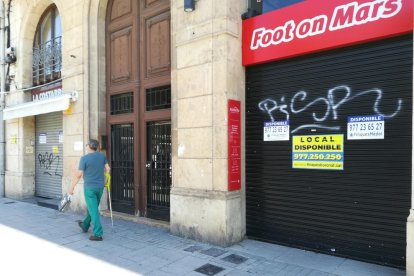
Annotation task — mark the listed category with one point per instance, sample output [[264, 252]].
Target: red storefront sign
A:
[[316, 25], [234, 142]]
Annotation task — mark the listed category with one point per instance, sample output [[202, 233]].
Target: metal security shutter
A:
[[361, 211], [49, 155]]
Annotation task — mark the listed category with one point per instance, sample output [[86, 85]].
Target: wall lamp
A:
[[189, 5]]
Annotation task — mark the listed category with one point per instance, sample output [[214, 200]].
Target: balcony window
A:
[[47, 48], [258, 7]]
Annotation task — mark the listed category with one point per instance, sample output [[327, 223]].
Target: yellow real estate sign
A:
[[321, 152]]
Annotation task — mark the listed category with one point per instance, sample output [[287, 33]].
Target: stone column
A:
[[206, 73], [20, 137]]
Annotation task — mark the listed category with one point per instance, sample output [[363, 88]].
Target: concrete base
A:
[[410, 244], [19, 185], [208, 216]]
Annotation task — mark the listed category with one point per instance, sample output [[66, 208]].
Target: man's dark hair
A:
[[93, 144]]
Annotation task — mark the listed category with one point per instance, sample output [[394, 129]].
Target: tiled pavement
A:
[[42, 241]]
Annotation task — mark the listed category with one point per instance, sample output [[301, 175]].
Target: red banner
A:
[[316, 25], [234, 143]]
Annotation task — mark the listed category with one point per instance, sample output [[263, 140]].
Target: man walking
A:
[[92, 167]]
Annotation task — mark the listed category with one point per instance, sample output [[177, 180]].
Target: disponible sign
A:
[[321, 152], [276, 131], [366, 127], [315, 25], [234, 145]]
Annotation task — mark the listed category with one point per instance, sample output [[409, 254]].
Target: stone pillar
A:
[[206, 72], [20, 157]]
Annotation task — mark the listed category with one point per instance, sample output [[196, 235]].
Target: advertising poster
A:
[[319, 152]]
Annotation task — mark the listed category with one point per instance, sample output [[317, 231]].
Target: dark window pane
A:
[[158, 98], [270, 5], [122, 103]]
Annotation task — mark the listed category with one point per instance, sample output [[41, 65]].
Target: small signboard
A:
[[366, 127], [42, 138], [60, 137], [276, 131], [29, 149], [13, 139], [320, 152], [234, 145], [78, 146]]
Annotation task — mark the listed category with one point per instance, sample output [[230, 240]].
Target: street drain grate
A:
[[209, 269], [9, 202], [213, 252], [235, 259]]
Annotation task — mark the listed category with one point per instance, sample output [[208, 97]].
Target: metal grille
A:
[[122, 162], [49, 155], [359, 212], [158, 98], [122, 103], [47, 61], [159, 169]]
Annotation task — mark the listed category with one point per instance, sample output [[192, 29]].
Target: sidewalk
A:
[[42, 241]]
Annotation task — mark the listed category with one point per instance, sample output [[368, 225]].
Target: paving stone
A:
[[213, 252], [184, 266]]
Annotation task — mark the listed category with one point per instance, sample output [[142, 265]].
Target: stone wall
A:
[[83, 70]]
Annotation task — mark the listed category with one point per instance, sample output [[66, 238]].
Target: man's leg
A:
[[93, 197], [87, 221]]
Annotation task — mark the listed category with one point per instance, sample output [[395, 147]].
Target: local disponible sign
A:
[[234, 145], [316, 25], [321, 152]]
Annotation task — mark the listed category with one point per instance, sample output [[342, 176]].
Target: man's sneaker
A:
[[95, 238], [80, 223]]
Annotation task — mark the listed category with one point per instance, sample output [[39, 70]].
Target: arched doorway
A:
[[139, 105]]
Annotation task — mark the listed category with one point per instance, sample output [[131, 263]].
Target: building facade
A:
[[212, 138]]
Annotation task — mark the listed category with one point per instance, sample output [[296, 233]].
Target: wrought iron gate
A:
[[159, 169], [122, 161]]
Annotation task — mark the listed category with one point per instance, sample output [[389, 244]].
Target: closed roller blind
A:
[[49, 155], [358, 212]]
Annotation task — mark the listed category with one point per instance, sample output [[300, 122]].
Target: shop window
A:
[[47, 47]]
